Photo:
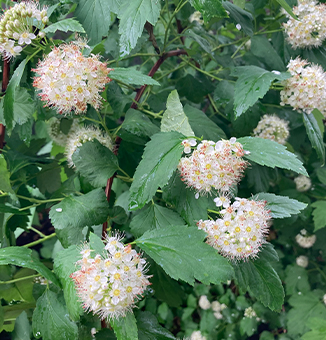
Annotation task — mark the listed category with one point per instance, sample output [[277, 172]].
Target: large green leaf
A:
[[318, 329], [260, 278], [95, 16], [319, 214], [314, 134], [202, 125], [209, 8], [125, 328], [4, 176], [150, 329], [64, 265], [65, 26], [253, 83], [51, 320], [161, 157], [281, 206], [22, 257], [269, 153], [131, 76], [95, 162], [182, 253], [70, 216], [133, 16], [174, 119]]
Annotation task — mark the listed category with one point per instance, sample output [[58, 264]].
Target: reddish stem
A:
[[5, 82]]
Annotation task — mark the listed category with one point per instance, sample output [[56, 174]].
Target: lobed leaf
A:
[[125, 328], [65, 26]]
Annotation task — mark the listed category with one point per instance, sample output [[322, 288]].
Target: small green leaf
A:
[[4, 176], [64, 265], [319, 214], [260, 278], [131, 76], [296, 280], [161, 157], [65, 26], [125, 328], [209, 8], [181, 252], [281, 206], [318, 329], [22, 257], [22, 328], [253, 83], [96, 243], [321, 174], [150, 329], [269, 153], [74, 213], [51, 320], [154, 217], [95, 162], [315, 135], [174, 119]]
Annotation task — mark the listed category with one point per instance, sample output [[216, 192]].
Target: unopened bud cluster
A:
[[212, 165], [82, 135], [20, 25], [272, 127], [302, 261], [109, 284], [302, 183], [305, 90], [68, 81], [310, 28], [304, 240], [240, 232]]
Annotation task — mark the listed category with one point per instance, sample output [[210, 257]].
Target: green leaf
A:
[[319, 214], [174, 119], [96, 243], [4, 176], [51, 320], [2, 317], [305, 306], [202, 125], [70, 216], [318, 329], [281, 206], [133, 16], [269, 153], [161, 157], [22, 257], [22, 328], [65, 26], [253, 83], [150, 329], [95, 16], [131, 76], [10, 97], [321, 174], [209, 8], [248, 326], [296, 280], [64, 265], [286, 6], [125, 328], [183, 255], [154, 217], [240, 16], [95, 162], [260, 278], [315, 135]]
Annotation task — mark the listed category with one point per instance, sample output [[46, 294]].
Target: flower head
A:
[[110, 283], [305, 90], [302, 261], [303, 183], [213, 165], [19, 26], [241, 231], [196, 16], [272, 127], [196, 335], [305, 241], [204, 302], [250, 313], [310, 28], [82, 135], [69, 81]]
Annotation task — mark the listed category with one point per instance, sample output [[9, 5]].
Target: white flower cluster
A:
[[212, 165], [196, 335], [305, 241], [54, 130], [217, 309], [249, 313], [306, 89], [241, 231], [310, 28], [83, 135], [272, 127], [68, 81], [204, 302], [20, 25], [196, 16], [111, 283], [302, 261], [302, 183]]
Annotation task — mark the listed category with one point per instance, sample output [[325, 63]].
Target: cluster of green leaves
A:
[[214, 82]]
